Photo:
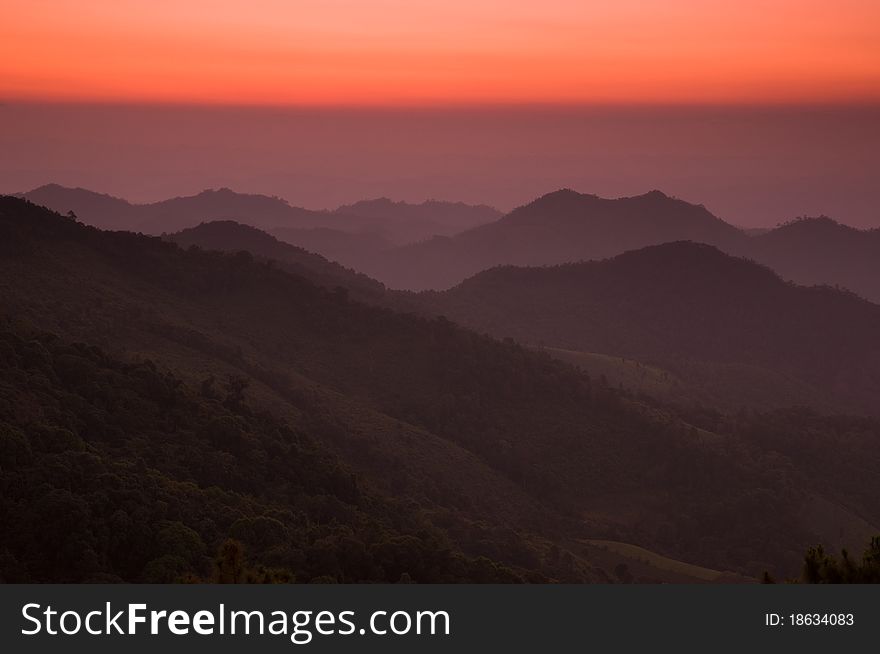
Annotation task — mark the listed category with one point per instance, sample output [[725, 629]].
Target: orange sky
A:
[[390, 52]]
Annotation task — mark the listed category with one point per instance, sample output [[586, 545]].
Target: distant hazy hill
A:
[[405, 222], [171, 215], [97, 209], [378, 221], [158, 401], [567, 227], [822, 251], [559, 227], [680, 303], [224, 204]]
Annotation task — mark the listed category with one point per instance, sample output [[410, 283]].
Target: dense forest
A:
[[120, 471], [172, 414]]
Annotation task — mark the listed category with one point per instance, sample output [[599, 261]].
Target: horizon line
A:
[[431, 105]]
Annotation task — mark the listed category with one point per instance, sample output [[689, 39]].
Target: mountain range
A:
[[382, 222], [732, 328], [162, 401], [435, 245], [567, 227], [559, 227], [682, 320]]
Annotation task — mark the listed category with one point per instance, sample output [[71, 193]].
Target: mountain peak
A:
[[52, 186], [816, 222], [566, 197], [655, 207], [654, 195], [53, 189], [564, 194], [223, 190]]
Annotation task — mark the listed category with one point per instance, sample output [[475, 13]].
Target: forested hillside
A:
[[266, 391], [718, 322], [230, 236], [121, 471]]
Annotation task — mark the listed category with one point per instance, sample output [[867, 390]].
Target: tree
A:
[[229, 566], [820, 567]]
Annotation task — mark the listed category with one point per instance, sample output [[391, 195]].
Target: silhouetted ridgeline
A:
[[403, 222], [378, 221], [565, 227], [560, 227], [229, 236], [694, 311], [556, 228], [821, 251], [342, 441], [681, 321]]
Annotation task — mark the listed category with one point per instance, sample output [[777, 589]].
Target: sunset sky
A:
[[761, 109], [399, 52]]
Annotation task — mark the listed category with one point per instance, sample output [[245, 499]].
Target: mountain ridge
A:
[[558, 227], [821, 250], [417, 402], [669, 303], [400, 222], [231, 236], [417, 251]]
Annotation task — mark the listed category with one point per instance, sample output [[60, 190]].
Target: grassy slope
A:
[[726, 386], [653, 563]]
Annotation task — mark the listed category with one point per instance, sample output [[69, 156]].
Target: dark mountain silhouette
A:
[[169, 399], [224, 204], [566, 227], [97, 209], [683, 303], [230, 236], [559, 227], [822, 251]]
